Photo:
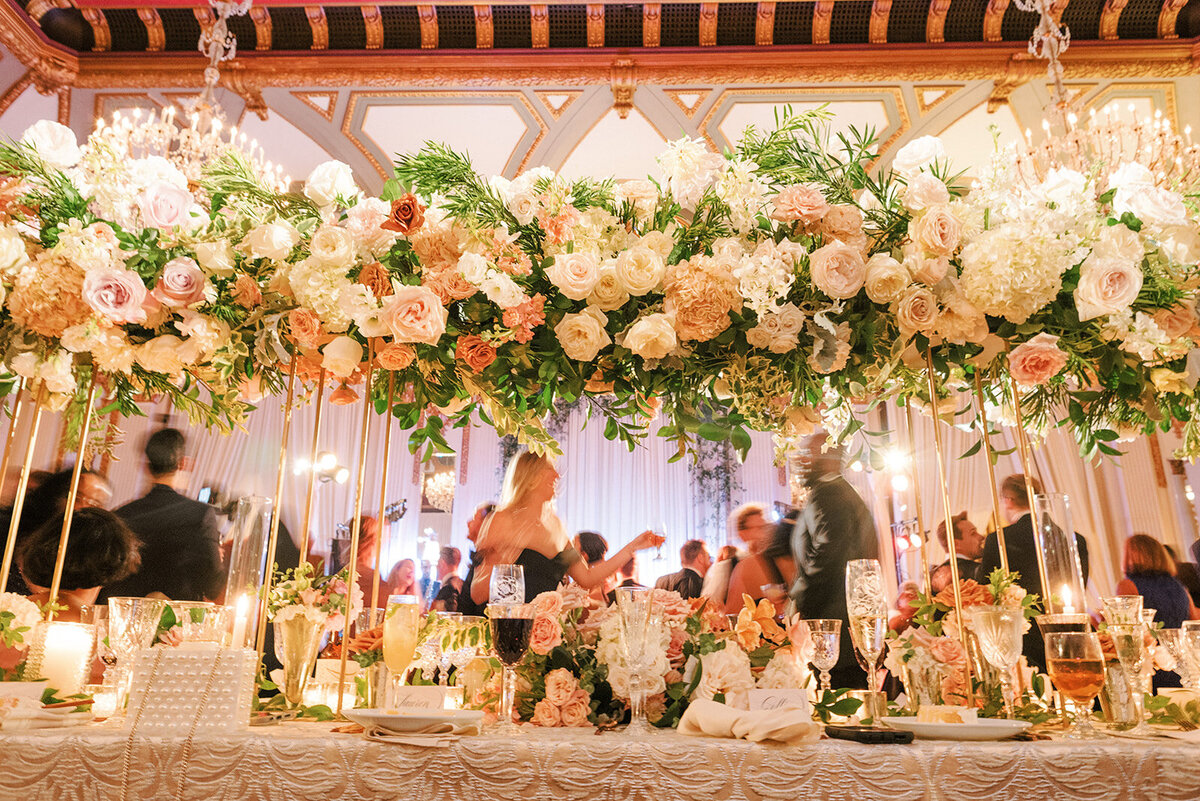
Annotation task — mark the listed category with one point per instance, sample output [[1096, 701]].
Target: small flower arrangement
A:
[[322, 599], [18, 617]]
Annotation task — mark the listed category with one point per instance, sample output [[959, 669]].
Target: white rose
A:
[[1130, 173], [272, 241], [474, 268], [575, 274], [652, 336], [1181, 243], [328, 182], [502, 290], [1119, 242], [1063, 187], [837, 269], [725, 671], [54, 143], [163, 354], [660, 242], [925, 190], [886, 278], [608, 294], [919, 154], [215, 258], [926, 269], [1152, 205], [1106, 286], [56, 372], [25, 365], [13, 254], [358, 302], [342, 356], [641, 194], [333, 246], [640, 270], [523, 206], [936, 231], [165, 206], [501, 186], [582, 335]]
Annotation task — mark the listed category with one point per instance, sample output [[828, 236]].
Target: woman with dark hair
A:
[[100, 550], [593, 548], [48, 501]]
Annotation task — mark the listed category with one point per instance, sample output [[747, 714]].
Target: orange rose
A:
[[395, 357], [406, 216], [343, 396], [476, 353], [306, 327], [246, 292], [376, 278], [972, 594]]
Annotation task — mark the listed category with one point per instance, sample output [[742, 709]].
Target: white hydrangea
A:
[[723, 672], [319, 287], [765, 277], [25, 617], [783, 672]]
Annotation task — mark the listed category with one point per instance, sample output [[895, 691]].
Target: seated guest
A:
[[403, 580], [593, 548], [100, 550], [450, 584], [768, 574], [968, 547], [690, 578], [625, 573], [1187, 573], [1150, 573]]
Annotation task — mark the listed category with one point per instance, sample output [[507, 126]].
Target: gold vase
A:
[[297, 642]]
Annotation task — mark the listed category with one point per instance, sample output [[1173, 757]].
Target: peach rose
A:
[[375, 277], [917, 310], [838, 270], [546, 714], [342, 356], [395, 357], [181, 283], [475, 352], [575, 274], [1106, 286], [343, 396], [1177, 321], [575, 711], [954, 687], [947, 650], [116, 294], [925, 268], [800, 202], [937, 230], [1037, 360], [561, 684], [246, 292], [415, 314], [406, 216], [971, 592], [548, 603], [582, 335], [842, 222], [546, 635], [306, 327]]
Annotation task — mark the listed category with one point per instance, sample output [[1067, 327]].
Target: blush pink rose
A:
[[117, 294], [415, 314], [181, 283], [164, 205], [800, 202], [561, 684], [546, 635], [1177, 321], [947, 650], [575, 711], [937, 230], [546, 714], [838, 270], [1037, 360], [549, 604]]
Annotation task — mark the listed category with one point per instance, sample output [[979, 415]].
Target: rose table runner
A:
[[302, 761]]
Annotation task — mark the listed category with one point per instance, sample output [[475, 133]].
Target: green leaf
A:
[[713, 432]]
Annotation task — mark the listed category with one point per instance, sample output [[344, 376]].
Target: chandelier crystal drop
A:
[[439, 489]]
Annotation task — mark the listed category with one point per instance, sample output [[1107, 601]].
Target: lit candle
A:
[[240, 616], [67, 656], [1068, 609]]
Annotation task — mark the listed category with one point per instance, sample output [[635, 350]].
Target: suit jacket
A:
[[611, 597], [686, 582], [1022, 558], [179, 547]]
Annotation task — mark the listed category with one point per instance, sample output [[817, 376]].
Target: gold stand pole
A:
[[14, 523], [277, 510], [918, 501], [991, 471], [356, 526], [69, 513], [380, 541], [937, 447], [1027, 467], [312, 473], [18, 400]]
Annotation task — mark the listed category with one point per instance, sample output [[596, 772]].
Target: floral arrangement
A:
[[780, 284], [322, 599], [18, 618]]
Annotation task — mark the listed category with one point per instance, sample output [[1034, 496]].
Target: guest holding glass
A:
[[593, 548], [524, 530]]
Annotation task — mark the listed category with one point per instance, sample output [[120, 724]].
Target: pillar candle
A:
[[67, 656]]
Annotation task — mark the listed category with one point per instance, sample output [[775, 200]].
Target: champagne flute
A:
[[826, 638], [511, 626], [999, 630], [867, 612], [507, 585], [1076, 663], [401, 624], [1128, 638], [640, 634]]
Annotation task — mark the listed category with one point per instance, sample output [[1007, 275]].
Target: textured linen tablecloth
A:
[[305, 761]]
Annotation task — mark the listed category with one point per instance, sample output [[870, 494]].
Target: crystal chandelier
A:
[[439, 489]]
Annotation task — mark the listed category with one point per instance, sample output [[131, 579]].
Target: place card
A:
[[779, 699], [419, 697]]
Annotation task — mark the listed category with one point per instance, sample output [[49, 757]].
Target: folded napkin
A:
[[20, 714], [438, 735], [710, 719]]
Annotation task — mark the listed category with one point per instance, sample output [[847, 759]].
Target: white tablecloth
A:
[[300, 761]]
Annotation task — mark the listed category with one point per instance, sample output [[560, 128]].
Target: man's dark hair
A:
[[592, 546], [100, 550], [451, 556], [691, 551], [165, 451]]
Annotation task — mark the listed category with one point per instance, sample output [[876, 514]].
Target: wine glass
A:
[[826, 638], [1191, 642], [97, 616], [1175, 641], [401, 624], [132, 623], [1122, 609], [661, 531], [1076, 663], [867, 611], [1129, 641], [511, 626], [999, 630], [641, 636], [507, 585]]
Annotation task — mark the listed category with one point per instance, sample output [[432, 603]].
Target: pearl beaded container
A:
[[198, 685]]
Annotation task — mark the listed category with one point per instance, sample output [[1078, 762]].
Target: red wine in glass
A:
[[510, 636]]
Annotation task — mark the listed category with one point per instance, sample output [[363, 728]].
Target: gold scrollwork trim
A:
[[595, 24], [881, 11], [101, 35], [708, 24], [935, 21], [764, 25], [484, 30], [1110, 18], [319, 25], [651, 24], [539, 25], [263, 29], [993, 19], [373, 21], [427, 15], [1168, 16], [156, 37], [822, 21]]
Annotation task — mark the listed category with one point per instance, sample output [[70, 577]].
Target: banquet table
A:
[[297, 761]]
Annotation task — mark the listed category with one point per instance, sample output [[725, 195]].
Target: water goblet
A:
[[1191, 642], [1076, 663], [999, 630], [401, 624], [867, 611], [1175, 641], [507, 585], [1129, 641], [511, 626], [1122, 609], [641, 621], [132, 623], [97, 616], [826, 639]]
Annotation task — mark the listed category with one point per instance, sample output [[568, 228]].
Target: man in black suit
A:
[[179, 537], [689, 580], [834, 527], [1022, 555], [626, 572]]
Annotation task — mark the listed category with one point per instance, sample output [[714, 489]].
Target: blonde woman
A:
[[524, 530]]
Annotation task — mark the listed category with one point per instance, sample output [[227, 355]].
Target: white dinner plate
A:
[[404, 721], [983, 729]]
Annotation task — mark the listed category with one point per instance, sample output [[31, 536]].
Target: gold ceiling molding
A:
[[678, 95], [38, 8], [319, 24], [484, 30], [1110, 17], [313, 101], [50, 65], [925, 106], [651, 24], [261, 18], [623, 81], [427, 14], [101, 35], [595, 25], [822, 21], [881, 11], [1132, 91], [107, 102], [764, 25], [547, 97], [373, 22], [708, 24], [64, 105], [993, 19], [1168, 16], [935, 21], [155, 35], [1022, 68], [539, 25], [16, 90]]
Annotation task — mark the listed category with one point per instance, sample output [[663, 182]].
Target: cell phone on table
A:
[[865, 734]]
